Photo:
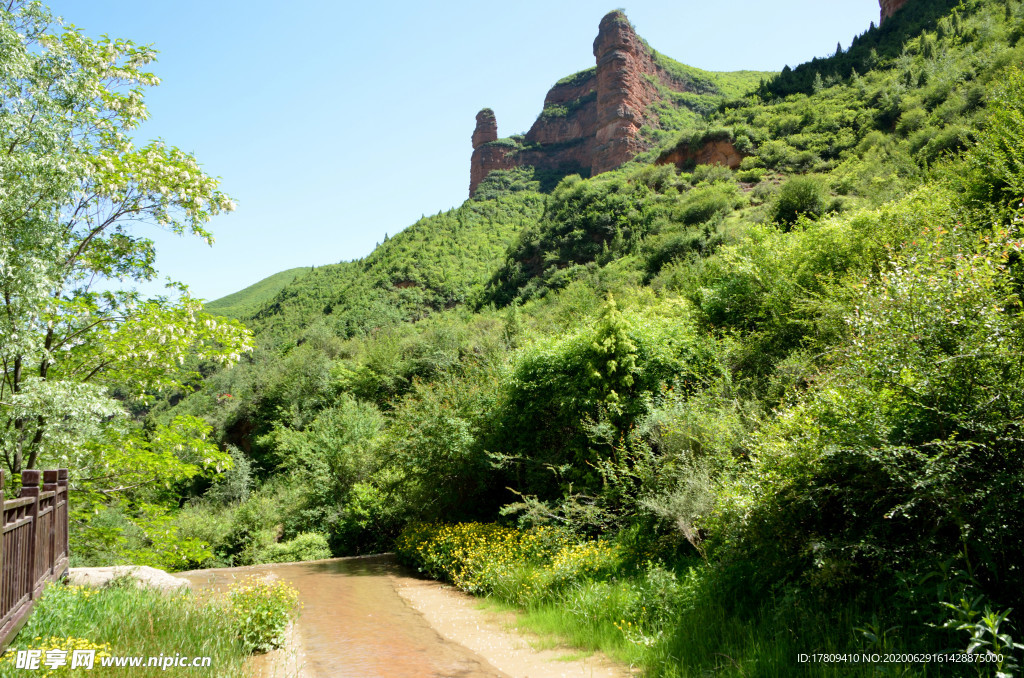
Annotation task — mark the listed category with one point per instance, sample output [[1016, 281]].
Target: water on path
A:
[[354, 623]]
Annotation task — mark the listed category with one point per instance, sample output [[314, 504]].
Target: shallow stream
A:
[[355, 624]]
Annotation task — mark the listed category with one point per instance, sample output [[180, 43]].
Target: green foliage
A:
[[706, 202], [74, 190], [247, 302], [134, 526], [579, 77], [910, 434], [568, 108], [306, 546], [485, 558], [871, 50], [603, 375], [130, 621], [435, 439], [583, 220], [995, 179], [805, 362], [261, 611], [798, 197], [988, 636], [434, 264]]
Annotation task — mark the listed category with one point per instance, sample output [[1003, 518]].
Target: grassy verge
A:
[[130, 621], [676, 619]]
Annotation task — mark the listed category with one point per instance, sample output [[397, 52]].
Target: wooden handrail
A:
[[33, 545]]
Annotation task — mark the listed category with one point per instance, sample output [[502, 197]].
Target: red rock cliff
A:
[[890, 7], [591, 121], [487, 156], [623, 93], [486, 128]]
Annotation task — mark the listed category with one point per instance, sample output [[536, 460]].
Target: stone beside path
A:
[[144, 575]]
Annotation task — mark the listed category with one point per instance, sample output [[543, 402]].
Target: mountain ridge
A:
[[600, 118]]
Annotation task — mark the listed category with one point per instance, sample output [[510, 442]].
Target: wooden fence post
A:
[[30, 488], [50, 485], [64, 525], [6, 582]]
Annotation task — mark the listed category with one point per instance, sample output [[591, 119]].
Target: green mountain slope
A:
[[245, 303], [437, 263], [785, 398]]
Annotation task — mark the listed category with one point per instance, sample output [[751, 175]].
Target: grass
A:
[[679, 620], [246, 302], [130, 621], [706, 639]]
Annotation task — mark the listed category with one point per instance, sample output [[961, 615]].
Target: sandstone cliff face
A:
[[623, 93], [591, 122], [716, 152], [890, 7], [486, 128], [487, 156]]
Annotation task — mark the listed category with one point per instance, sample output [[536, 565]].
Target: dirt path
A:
[[456, 616], [370, 617]]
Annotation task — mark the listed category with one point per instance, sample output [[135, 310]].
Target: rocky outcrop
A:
[[486, 128], [711, 152], [890, 7], [623, 92], [591, 121], [488, 154]]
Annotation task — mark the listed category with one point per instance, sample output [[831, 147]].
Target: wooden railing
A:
[[34, 549]]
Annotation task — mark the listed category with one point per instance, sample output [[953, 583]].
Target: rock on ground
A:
[[147, 576]]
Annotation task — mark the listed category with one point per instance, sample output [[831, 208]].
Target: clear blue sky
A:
[[332, 123]]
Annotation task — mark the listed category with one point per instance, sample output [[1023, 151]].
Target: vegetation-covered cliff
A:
[[598, 119]]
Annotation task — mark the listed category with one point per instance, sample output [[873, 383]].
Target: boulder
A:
[[144, 575]]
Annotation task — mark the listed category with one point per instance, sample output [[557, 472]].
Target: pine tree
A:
[[613, 361]]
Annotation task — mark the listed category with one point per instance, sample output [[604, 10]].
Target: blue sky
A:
[[333, 123]]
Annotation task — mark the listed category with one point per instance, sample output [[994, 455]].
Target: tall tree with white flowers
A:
[[75, 196]]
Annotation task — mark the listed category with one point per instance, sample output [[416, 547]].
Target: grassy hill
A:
[[245, 303], [439, 262]]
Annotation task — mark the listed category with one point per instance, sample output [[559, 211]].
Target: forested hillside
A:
[[244, 303], [705, 419]]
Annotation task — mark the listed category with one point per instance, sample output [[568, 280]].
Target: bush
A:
[[711, 174], [708, 201], [261, 611], [915, 431], [487, 558], [751, 176], [604, 373], [306, 546], [799, 196], [663, 248]]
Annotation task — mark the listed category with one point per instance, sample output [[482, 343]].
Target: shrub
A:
[[663, 248], [708, 201], [306, 546], [751, 176], [799, 196], [517, 565], [711, 174], [604, 373], [261, 611]]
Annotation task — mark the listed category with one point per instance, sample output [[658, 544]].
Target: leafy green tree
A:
[[799, 196], [74, 189]]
